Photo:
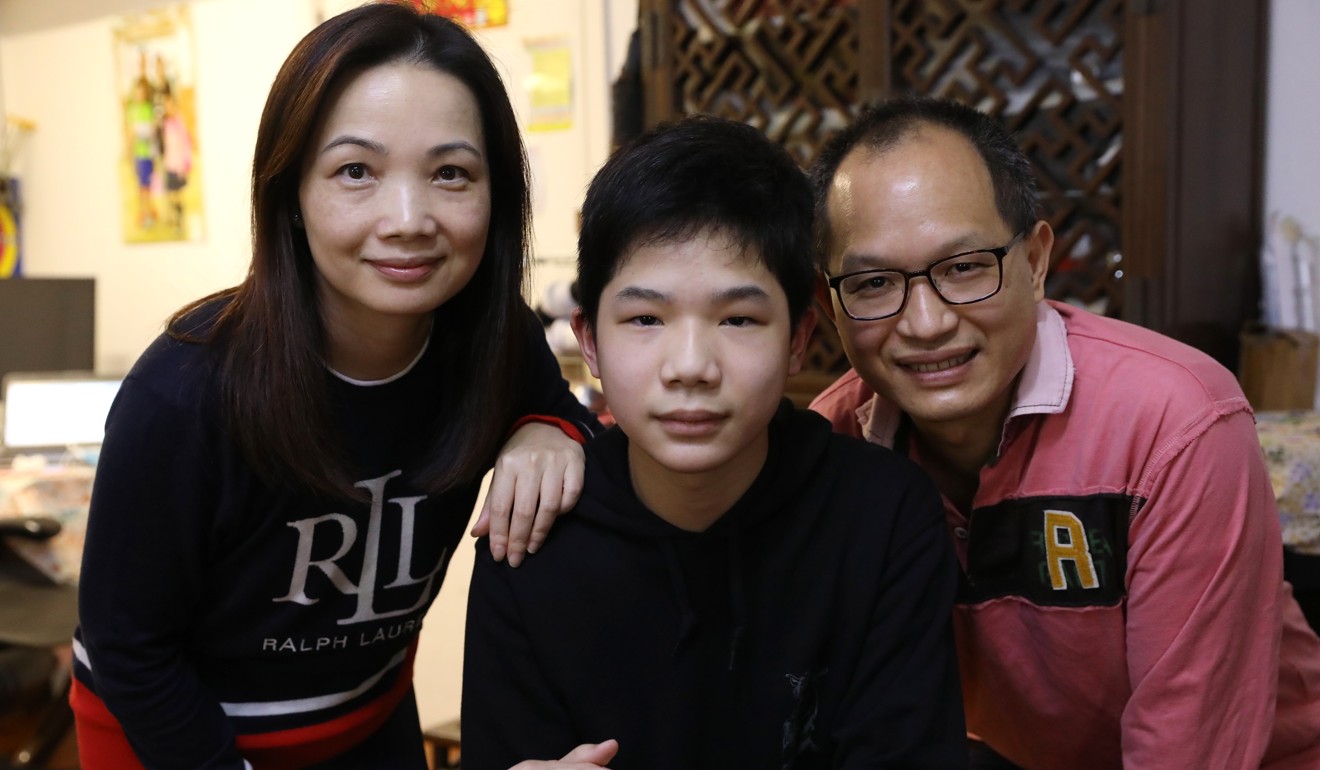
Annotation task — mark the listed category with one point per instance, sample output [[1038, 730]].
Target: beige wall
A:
[[56, 68]]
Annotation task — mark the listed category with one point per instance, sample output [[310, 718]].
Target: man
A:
[[1122, 602], [731, 591]]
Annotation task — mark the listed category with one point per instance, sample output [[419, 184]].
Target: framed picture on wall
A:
[[160, 163], [474, 14], [14, 132]]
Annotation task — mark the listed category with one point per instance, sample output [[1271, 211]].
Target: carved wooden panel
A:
[[1144, 119], [799, 69], [1053, 71], [788, 67]]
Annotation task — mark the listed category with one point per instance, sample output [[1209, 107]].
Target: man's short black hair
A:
[[690, 176], [885, 125]]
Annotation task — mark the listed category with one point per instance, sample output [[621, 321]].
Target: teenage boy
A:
[[1123, 602], [739, 586]]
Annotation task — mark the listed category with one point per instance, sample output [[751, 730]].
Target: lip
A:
[[406, 270], [691, 422]]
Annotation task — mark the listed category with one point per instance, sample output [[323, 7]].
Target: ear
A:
[[1040, 243], [586, 338], [823, 296], [797, 344]]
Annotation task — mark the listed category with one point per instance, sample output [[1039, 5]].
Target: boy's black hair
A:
[[883, 126], [693, 175]]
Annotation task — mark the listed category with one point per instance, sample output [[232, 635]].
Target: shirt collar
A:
[[1043, 388]]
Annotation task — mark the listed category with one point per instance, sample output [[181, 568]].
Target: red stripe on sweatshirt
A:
[[103, 746]]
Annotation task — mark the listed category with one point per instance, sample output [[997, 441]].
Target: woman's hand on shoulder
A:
[[537, 476], [588, 756]]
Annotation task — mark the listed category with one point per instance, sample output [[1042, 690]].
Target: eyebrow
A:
[[736, 293], [732, 294], [376, 147], [854, 262]]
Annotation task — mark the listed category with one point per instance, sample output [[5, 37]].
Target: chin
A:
[[688, 459], [687, 462], [937, 406], [410, 306]]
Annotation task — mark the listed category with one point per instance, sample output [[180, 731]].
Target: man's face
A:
[[693, 345], [903, 208]]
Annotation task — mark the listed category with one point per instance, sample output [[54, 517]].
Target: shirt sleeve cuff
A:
[[570, 429]]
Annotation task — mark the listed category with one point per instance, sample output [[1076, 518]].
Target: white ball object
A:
[[559, 334], [557, 301]]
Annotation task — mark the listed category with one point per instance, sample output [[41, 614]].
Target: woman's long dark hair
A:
[[273, 379]]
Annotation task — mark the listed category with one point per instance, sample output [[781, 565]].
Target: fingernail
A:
[[497, 551], [515, 560], [533, 546]]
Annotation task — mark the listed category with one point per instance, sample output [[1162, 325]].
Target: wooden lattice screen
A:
[[1052, 70], [799, 69], [788, 68]]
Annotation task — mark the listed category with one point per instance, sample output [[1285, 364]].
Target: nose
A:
[[690, 358], [406, 211], [925, 316]]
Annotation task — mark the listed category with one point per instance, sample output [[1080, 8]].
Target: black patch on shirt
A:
[[1051, 551]]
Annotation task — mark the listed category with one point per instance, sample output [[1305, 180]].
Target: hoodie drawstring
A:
[[737, 595], [688, 618]]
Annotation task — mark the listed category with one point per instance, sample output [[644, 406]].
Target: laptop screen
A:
[[54, 411]]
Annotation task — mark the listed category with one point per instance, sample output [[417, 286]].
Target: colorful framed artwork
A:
[[473, 14], [160, 168], [11, 253]]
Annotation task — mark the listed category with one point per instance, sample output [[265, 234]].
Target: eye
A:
[[871, 283], [972, 267], [644, 320], [355, 171], [740, 321], [451, 173]]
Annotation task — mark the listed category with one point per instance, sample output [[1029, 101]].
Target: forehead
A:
[[692, 265], [929, 193], [400, 97]]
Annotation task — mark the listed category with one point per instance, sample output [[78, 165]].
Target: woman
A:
[[287, 470]]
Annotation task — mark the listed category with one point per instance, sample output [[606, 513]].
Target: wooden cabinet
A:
[[1144, 119]]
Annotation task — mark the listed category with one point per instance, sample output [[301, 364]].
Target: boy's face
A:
[[692, 345]]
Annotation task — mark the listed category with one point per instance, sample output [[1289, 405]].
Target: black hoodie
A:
[[809, 627]]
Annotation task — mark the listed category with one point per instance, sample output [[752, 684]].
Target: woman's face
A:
[[395, 196]]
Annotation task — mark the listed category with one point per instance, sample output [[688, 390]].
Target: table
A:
[[39, 606], [38, 579]]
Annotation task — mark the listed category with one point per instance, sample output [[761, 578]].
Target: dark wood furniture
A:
[[1144, 118], [444, 745]]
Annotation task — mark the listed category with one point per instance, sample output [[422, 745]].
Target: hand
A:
[[538, 476], [584, 757]]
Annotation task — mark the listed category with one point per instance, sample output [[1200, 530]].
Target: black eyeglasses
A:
[[972, 276]]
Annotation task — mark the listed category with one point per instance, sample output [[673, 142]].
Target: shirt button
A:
[[960, 533]]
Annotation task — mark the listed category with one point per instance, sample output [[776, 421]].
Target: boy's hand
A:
[[537, 476], [588, 756]]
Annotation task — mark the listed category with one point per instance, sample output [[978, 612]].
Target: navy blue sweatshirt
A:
[[226, 619], [809, 627]]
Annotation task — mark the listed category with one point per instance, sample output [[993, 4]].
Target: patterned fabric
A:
[[1291, 441]]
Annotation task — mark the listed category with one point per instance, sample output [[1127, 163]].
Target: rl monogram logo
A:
[[365, 588]]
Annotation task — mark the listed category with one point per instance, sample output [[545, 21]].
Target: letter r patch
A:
[[1065, 541], [1056, 551]]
